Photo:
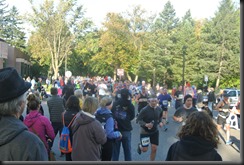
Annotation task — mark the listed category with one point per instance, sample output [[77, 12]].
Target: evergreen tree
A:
[[222, 43]]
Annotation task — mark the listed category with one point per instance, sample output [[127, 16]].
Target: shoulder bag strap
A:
[[72, 120]]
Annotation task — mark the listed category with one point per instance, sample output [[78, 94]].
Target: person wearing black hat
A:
[[184, 111], [124, 112], [222, 120], [16, 142]]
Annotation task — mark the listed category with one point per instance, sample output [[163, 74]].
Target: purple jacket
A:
[[39, 125]]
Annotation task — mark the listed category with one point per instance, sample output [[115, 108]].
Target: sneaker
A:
[[165, 129], [139, 149], [228, 142], [167, 122]]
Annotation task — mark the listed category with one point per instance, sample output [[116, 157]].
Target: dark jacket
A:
[[147, 115], [192, 148], [211, 97], [125, 125], [56, 105], [88, 136], [19, 144]]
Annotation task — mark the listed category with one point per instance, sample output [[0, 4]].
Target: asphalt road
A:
[[228, 153]]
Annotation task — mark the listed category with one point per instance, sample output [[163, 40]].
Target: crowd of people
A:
[[99, 113]]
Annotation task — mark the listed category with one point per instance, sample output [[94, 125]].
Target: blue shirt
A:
[[164, 99]]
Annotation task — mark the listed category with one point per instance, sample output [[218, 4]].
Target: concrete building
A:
[[13, 57]]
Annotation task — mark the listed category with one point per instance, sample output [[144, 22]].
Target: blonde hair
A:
[[90, 105], [105, 101]]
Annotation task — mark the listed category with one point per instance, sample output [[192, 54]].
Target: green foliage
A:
[[10, 27]]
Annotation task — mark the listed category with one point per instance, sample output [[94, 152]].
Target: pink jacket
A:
[[39, 125]]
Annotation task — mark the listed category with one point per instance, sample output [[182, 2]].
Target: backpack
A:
[[102, 118], [120, 112], [64, 140]]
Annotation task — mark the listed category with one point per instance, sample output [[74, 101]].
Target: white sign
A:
[[205, 78], [68, 74], [120, 72]]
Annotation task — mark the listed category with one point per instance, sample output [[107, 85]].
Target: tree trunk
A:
[[136, 79], [128, 76], [115, 74], [220, 65]]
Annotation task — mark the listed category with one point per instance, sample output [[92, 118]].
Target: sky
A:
[[97, 9]]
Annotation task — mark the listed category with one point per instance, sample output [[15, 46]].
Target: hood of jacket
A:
[[10, 128], [83, 118], [31, 118], [195, 145]]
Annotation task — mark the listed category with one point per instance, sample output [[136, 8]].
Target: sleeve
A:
[[49, 129], [111, 134], [132, 111], [140, 118], [169, 154], [99, 133], [177, 113]]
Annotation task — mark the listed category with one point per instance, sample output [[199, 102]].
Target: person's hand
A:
[[161, 124], [120, 137], [149, 125], [179, 119]]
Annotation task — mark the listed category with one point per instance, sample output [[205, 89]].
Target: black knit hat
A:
[[12, 84], [186, 97]]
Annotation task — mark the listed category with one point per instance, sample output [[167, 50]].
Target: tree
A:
[[222, 42], [139, 24], [10, 26], [116, 48], [14, 34], [3, 20], [55, 28]]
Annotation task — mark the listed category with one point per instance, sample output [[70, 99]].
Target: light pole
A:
[[183, 70]]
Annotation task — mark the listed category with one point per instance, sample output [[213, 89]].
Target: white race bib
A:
[[165, 102], [180, 96], [145, 141]]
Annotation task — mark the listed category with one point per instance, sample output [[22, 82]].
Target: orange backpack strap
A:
[[72, 120], [63, 118]]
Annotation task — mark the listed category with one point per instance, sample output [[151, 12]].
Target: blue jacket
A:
[[110, 124]]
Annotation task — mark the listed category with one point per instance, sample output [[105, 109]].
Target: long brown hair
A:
[[200, 124]]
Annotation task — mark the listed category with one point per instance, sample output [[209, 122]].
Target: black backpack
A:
[[102, 118]]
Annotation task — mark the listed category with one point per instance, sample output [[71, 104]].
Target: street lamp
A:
[[183, 70]]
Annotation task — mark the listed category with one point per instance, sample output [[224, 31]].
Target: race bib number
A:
[[165, 102], [145, 141], [180, 96]]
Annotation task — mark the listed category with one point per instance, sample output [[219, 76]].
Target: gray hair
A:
[[105, 101], [78, 93], [12, 107]]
